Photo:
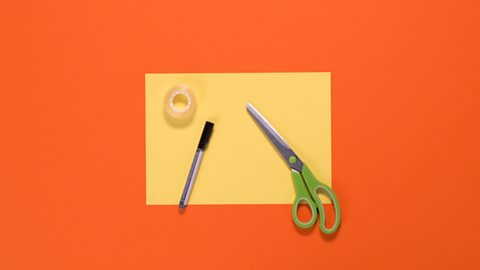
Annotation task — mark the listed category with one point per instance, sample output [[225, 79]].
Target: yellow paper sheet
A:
[[240, 166]]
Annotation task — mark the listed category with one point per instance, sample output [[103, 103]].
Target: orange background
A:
[[405, 132]]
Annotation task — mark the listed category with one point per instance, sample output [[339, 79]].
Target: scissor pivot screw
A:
[[292, 160]]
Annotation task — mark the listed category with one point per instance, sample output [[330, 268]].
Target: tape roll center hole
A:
[[180, 102]]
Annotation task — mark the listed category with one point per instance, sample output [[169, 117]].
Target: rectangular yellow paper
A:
[[240, 166]]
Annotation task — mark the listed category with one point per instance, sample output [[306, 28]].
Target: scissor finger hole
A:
[[304, 211], [327, 205], [323, 195]]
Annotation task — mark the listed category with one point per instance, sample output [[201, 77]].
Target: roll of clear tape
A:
[[180, 102]]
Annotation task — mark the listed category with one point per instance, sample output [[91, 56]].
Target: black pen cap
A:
[[206, 134]]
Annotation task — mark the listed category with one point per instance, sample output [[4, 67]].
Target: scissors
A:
[[306, 185]]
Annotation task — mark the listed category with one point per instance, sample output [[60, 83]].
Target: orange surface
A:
[[405, 99]]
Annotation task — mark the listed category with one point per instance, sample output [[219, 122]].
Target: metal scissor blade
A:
[[282, 146]]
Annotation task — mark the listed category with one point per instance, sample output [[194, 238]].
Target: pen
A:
[[197, 159]]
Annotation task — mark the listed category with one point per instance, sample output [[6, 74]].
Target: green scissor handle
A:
[[302, 195], [306, 193]]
